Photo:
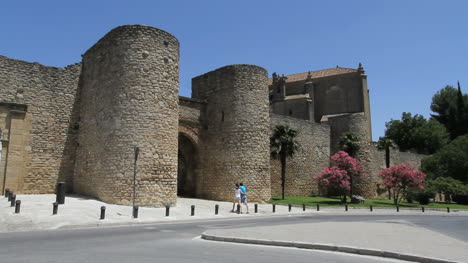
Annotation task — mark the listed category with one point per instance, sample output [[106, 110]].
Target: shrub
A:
[[421, 196], [461, 199]]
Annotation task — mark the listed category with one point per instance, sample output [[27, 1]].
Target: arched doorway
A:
[[187, 167]]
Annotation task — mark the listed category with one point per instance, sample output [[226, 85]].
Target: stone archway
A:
[[187, 171]]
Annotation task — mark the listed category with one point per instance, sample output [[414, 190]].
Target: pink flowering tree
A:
[[335, 178], [340, 175], [349, 164], [400, 178]]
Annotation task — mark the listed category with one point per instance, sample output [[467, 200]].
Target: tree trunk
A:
[[283, 174], [387, 157], [351, 188], [387, 165]]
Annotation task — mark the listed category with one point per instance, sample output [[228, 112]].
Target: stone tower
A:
[[236, 131], [129, 96]]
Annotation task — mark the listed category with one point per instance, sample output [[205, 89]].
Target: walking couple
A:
[[240, 198]]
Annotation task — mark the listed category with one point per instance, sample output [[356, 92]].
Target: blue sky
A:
[[409, 49]]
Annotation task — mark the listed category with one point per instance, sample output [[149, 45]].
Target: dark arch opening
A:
[[187, 167]]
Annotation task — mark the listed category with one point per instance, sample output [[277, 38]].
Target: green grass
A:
[[335, 201]]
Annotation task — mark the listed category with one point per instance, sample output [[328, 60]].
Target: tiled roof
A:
[[318, 74]]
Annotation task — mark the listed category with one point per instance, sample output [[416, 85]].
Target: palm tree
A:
[[349, 142], [283, 144], [386, 143]]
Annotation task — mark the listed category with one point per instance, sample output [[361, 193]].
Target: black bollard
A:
[[135, 211], [274, 208], [256, 208], [398, 208], [167, 210], [18, 206], [10, 193], [422, 209], [238, 209], [6, 192], [216, 209], [318, 207], [103, 213], [346, 208], [448, 209], [289, 207], [55, 208], [60, 193], [370, 207], [192, 213], [13, 200], [303, 207]]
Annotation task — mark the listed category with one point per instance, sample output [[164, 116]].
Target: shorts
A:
[[238, 198], [244, 199]]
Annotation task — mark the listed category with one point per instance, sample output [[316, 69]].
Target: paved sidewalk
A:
[[36, 212], [387, 238]]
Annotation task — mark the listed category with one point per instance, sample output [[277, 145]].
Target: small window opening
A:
[[222, 116], [290, 112]]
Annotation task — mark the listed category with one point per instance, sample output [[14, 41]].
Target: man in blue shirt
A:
[[244, 196]]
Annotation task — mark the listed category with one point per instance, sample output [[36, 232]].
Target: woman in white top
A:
[[237, 198]]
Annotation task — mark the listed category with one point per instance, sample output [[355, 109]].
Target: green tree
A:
[[283, 144], [385, 143], [446, 186], [450, 106], [450, 161], [349, 142], [415, 132]]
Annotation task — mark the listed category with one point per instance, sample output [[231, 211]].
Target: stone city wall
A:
[[235, 136], [45, 138], [312, 157], [396, 157], [130, 83]]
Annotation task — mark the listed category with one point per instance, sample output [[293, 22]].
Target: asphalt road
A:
[[180, 242]]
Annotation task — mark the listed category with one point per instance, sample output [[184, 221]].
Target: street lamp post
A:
[[136, 151]]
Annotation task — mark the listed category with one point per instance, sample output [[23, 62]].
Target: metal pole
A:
[[55, 208], [13, 200], [103, 213], [136, 151], [18, 206]]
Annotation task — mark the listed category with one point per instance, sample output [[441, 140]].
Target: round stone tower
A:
[[235, 138], [129, 97], [357, 123]]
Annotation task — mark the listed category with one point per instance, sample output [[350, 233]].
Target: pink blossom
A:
[[402, 177], [335, 178]]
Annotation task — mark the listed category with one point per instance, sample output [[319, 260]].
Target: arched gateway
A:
[[188, 163]]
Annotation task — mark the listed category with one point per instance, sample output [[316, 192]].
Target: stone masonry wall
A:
[[129, 85], [358, 124], [396, 157], [235, 137], [49, 130], [312, 157]]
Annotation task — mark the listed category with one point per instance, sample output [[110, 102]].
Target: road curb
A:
[[328, 247]]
